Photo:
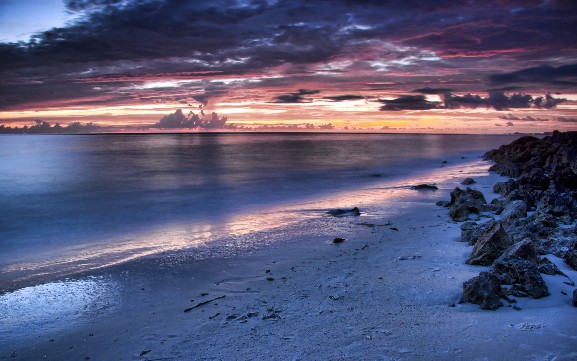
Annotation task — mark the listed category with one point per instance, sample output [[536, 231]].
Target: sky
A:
[[492, 66]]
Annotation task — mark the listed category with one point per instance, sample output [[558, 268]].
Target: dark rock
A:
[[468, 231], [514, 209], [492, 243], [483, 290], [571, 258], [558, 204], [575, 297], [468, 181], [442, 203], [465, 202], [472, 231], [549, 268], [345, 212], [338, 240], [523, 275], [525, 249], [425, 187], [504, 188]]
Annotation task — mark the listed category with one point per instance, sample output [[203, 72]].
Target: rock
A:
[[571, 258], [483, 290], [472, 231], [338, 240], [514, 209], [442, 203], [549, 268], [425, 187], [345, 212], [468, 181], [504, 188], [525, 249], [468, 230], [558, 204], [523, 275], [492, 243], [575, 297], [465, 202]]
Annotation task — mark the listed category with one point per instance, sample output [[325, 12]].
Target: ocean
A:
[[76, 202]]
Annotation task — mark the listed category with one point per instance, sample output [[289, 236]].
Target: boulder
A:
[[465, 202], [425, 187], [483, 290], [525, 249], [472, 231], [504, 188], [345, 212], [468, 181], [571, 258], [549, 268], [523, 275], [575, 297], [492, 243], [514, 209]]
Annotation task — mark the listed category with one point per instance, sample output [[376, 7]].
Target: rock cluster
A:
[[524, 221]]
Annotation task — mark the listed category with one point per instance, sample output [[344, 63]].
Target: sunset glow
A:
[[356, 65]]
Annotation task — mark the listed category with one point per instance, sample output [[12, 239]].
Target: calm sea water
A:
[[62, 192]]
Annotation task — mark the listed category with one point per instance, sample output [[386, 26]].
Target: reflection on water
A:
[[241, 232], [56, 305], [76, 203]]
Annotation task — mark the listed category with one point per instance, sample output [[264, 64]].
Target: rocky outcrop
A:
[[492, 243], [466, 202], [483, 290], [525, 219], [523, 276]]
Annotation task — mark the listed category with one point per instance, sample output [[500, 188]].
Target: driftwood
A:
[[203, 303]]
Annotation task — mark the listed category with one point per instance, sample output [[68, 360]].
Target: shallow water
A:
[[85, 201]]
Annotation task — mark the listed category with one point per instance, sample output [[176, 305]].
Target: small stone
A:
[[345, 212], [425, 187], [338, 240]]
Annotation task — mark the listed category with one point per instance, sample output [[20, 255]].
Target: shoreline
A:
[[84, 259], [385, 293]]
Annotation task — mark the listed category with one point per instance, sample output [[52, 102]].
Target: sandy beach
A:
[[389, 291]]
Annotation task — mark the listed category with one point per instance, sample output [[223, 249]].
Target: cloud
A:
[[42, 127], [193, 120], [408, 102], [341, 98], [429, 90], [545, 74], [527, 118], [500, 101], [121, 44], [297, 97], [567, 120]]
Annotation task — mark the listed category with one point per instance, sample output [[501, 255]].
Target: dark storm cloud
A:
[[298, 97], [132, 40], [561, 75], [527, 118], [408, 102], [346, 97], [495, 100], [567, 120], [429, 90]]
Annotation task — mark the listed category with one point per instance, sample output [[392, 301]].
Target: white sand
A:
[[382, 294]]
